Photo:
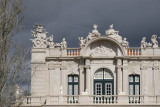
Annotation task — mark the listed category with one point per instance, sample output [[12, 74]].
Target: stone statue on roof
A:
[[63, 44], [82, 42], [125, 43], [113, 34], [111, 31], [39, 35], [94, 33], [154, 41], [40, 38], [143, 43]]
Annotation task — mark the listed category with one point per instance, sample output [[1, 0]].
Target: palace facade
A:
[[104, 70]]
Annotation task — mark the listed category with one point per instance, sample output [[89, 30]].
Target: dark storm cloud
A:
[[73, 18]]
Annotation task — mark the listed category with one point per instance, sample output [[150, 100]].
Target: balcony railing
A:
[[90, 100], [136, 99], [73, 51], [134, 51], [103, 99]]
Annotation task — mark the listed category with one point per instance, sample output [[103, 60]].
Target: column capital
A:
[[63, 68], [143, 67], [87, 66], [119, 66], [125, 61], [125, 67], [51, 66], [81, 68], [155, 67]]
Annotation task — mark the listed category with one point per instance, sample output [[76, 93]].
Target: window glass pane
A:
[[136, 78], [75, 89], [70, 79], [130, 78], [130, 89], [75, 78], [107, 75], [136, 89], [70, 89], [99, 75], [108, 89], [98, 89]]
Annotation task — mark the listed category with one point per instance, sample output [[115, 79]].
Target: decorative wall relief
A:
[[102, 48]]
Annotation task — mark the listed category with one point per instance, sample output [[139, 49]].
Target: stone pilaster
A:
[[88, 79], [51, 68], [143, 80], [119, 72], [125, 77], [63, 79], [88, 76], [155, 74], [81, 79]]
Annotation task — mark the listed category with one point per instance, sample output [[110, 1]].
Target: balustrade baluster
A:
[[111, 100], [138, 52], [129, 52]]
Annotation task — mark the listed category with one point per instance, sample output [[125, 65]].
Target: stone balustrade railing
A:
[[73, 51], [103, 99], [34, 100], [133, 99], [71, 99], [90, 99], [134, 51]]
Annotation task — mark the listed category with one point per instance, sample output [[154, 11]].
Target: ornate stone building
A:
[[104, 70]]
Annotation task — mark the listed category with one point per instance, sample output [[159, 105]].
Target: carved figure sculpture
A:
[[94, 33], [111, 31], [114, 34], [40, 40], [154, 41], [125, 43], [63, 44], [50, 42], [82, 41], [143, 43]]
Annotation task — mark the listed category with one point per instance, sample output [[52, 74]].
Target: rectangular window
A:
[[73, 85]]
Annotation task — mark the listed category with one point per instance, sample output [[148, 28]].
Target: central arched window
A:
[[103, 82]]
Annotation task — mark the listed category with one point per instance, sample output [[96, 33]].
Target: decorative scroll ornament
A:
[[94, 33], [114, 34], [154, 41], [40, 40]]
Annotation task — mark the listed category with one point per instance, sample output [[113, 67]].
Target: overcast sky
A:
[[74, 18]]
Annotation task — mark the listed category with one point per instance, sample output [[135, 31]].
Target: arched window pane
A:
[[99, 75], [107, 75]]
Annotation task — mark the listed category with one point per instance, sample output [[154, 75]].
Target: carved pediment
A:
[[102, 48]]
